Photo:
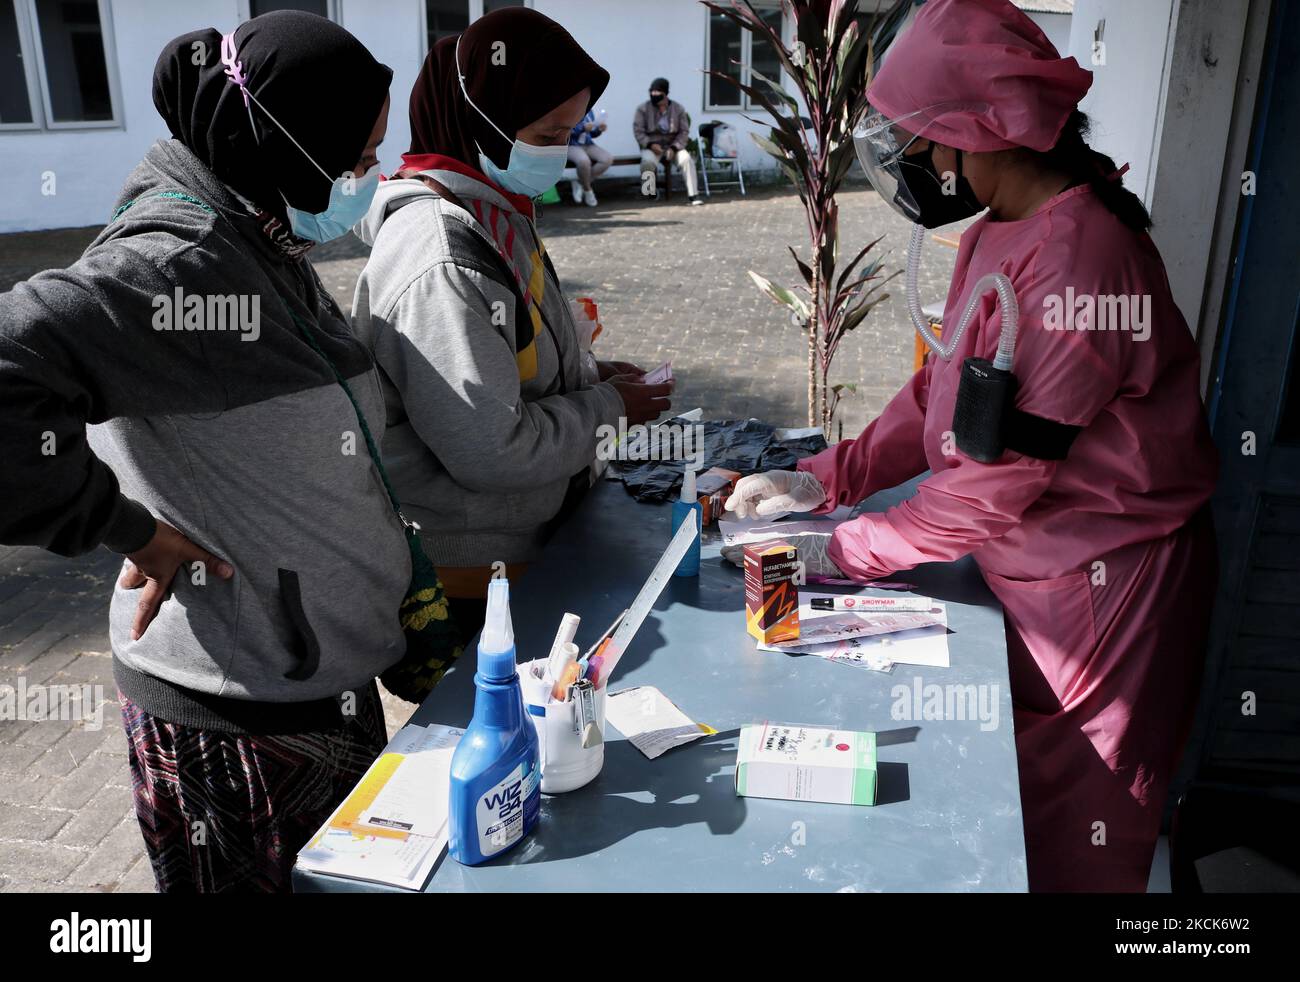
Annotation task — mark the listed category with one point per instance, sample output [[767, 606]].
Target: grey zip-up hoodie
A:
[[488, 418], [241, 439]]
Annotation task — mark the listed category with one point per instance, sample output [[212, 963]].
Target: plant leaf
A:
[[779, 92], [804, 268], [780, 295], [856, 259]]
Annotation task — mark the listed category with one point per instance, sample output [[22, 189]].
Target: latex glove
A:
[[775, 492], [812, 553]]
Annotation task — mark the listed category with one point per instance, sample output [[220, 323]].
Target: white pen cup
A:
[[566, 763]]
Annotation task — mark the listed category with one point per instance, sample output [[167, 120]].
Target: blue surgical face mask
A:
[[531, 170], [349, 201]]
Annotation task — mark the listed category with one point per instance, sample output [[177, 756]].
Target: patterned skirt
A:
[[229, 811]]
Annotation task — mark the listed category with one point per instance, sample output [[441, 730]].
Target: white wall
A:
[[1128, 88], [639, 40], [393, 31], [90, 165], [636, 40], [1055, 26], [1161, 101]]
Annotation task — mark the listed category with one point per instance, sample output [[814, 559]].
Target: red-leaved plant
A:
[[830, 62]]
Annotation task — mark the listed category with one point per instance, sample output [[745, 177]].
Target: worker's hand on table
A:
[[812, 553], [154, 567], [642, 403], [774, 493], [608, 369]]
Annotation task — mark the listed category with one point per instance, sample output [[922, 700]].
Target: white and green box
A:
[[806, 763]]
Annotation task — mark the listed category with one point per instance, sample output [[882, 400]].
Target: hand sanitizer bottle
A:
[[495, 775], [688, 509]]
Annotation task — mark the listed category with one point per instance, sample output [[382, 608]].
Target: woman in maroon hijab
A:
[[492, 422]]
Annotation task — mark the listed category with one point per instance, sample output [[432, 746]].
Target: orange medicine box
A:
[[771, 595]]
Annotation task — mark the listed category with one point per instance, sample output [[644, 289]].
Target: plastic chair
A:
[[707, 158]]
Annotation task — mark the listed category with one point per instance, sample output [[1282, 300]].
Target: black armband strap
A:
[[1035, 436]]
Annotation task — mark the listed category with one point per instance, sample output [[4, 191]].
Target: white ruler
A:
[[636, 614]]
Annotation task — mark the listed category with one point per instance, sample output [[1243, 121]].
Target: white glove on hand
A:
[[812, 553], [775, 492]]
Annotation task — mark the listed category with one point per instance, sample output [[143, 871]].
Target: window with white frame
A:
[[57, 68], [321, 8], [443, 18], [734, 51]]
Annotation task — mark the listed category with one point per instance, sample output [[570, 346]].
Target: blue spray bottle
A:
[[496, 790], [687, 509]]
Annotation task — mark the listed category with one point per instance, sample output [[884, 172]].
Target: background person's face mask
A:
[[531, 170]]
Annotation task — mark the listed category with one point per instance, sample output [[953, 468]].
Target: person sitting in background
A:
[[590, 159], [663, 128]]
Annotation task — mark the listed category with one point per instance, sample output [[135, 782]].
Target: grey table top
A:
[[947, 816]]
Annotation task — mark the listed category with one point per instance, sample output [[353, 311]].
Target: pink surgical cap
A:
[[1003, 83]]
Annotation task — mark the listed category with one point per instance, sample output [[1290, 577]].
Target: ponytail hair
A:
[[1073, 156]]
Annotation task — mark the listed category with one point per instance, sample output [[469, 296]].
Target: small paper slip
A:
[[858, 653], [650, 721], [664, 373], [393, 826]]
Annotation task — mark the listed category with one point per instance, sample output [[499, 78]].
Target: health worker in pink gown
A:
[[1092, 526]]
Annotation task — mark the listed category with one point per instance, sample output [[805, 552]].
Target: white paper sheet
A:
[[414, 799], [840, 625], [920, 646], [417, 792], [650, 720]]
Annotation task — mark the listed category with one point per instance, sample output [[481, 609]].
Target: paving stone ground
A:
[[671, 281]]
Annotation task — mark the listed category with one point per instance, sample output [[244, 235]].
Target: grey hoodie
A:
[[488, 418], [249, 447]]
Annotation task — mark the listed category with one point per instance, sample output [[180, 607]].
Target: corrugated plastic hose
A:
[[1007, 302]]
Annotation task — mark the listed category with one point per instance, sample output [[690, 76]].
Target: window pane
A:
[[762, 55], [724, 52], [491, 5], [320, 8], [72, 48], [446, 17], [15, 105]]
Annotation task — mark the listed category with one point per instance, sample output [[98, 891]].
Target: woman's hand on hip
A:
[[154, 567]]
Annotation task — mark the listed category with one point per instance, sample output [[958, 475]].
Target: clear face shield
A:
[[880, 143]]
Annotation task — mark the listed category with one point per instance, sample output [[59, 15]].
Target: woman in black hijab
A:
[[314, 94], [518, 65], [264, 564], [494, 406]]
